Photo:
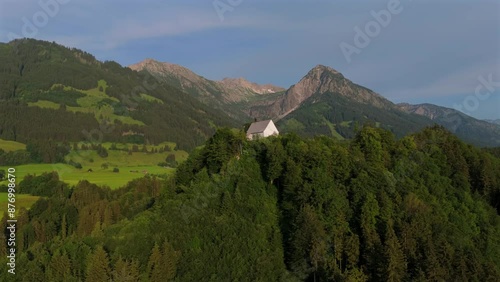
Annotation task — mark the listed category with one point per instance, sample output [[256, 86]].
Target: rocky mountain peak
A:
[[164, 68], [323, 68], [318, 81], [241, 82], [321, 79], [151, 64]]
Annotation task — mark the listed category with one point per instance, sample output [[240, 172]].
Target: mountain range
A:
[[153, 101], [322, 102]]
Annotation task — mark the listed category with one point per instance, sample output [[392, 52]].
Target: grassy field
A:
[[99, 176], [346, 123], [121, 158], [95, 101], [126, 146], [332, 127], [44, 104], [21, 201], [150, 98], [130, 167], [9, 146]]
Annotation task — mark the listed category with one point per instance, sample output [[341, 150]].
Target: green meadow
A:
[[130, 166], [150, 98], [95, 102], [99, 175], [44, 104], [11, 145], [118, 158]]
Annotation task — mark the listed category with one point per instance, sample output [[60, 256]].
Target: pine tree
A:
[[155, 265], [64, 227], [170, 259], [395, 260], [134, 272], [126, 271], [97, 231], [59, 267], [98, 266]]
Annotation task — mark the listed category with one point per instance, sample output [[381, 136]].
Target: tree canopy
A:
[[424, 207]]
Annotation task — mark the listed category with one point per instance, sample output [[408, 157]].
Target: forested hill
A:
[[422, 208], [48, 91]]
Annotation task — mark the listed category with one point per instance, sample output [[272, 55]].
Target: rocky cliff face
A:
[[231, 84], [428, 110]]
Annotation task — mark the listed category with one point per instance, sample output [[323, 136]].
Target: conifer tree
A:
[[59, 267], [170, 258], [98, 269], [125, 271], [395, 260], [155, 265]]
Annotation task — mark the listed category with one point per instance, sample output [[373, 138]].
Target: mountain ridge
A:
[[229, 89], [465, 126], [323, 101], [494, 121]]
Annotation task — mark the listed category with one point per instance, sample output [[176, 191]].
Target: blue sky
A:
[[429, 51]]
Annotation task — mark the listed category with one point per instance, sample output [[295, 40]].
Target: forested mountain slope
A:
[[422, 208], [480, 132], [48, 91]]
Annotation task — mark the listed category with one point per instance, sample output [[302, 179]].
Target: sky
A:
[[441, 52]]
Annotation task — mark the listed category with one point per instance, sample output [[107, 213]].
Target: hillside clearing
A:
[[9, 146]]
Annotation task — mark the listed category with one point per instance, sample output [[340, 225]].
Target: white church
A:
[[262, 129]]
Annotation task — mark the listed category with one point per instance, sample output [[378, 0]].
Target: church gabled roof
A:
[[258, 127]]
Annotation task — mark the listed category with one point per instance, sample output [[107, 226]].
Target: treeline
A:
[[422, 208], [46, 151], [49, 151], [14, 158]]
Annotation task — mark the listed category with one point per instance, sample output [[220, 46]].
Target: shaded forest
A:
[[421, 208]]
